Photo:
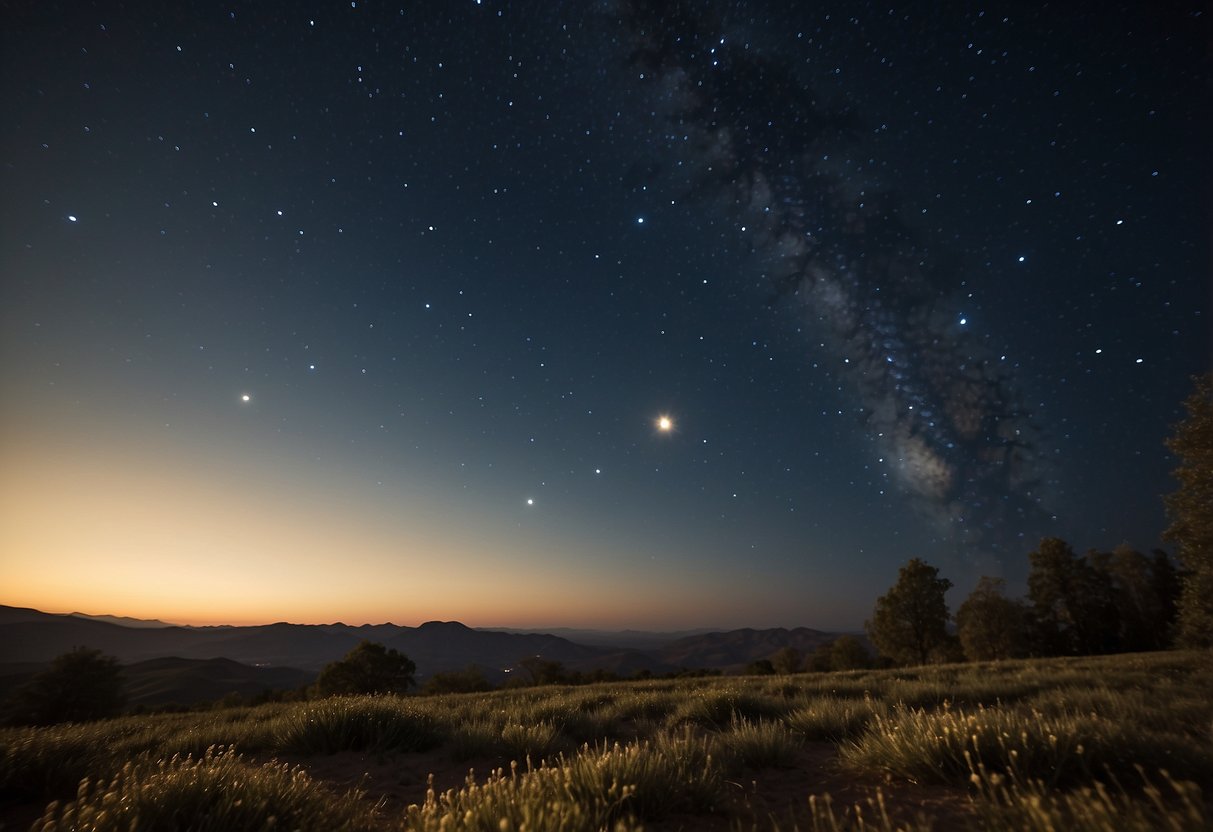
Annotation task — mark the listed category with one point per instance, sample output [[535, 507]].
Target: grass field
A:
[[1107, 743]]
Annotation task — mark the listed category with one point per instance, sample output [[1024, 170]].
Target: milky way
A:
[[753, 142]]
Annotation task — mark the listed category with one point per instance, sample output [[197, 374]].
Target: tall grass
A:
[[834, 719], [597, 788], [1009, 803], [1057, 744], [940, 746], [757, 745], [357, 723], [218, 792]]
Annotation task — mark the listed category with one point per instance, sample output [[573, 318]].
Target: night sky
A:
[[370, 312]]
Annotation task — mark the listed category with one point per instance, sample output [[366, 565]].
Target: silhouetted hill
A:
[[734, 649], [449, 645], [31, 636], [187, 681], [177, 681], [620, 639], [122, 620]]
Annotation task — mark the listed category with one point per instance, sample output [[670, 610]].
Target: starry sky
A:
[[371, 312]]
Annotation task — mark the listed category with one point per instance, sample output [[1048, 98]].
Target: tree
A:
[[79, 686], [543, 671], [1072, 611], [910, 620], [848, 653], [1167, 581], [368, 668], [787, 660], [760, 667], [469, 680], [1190, 509], [990, 625]]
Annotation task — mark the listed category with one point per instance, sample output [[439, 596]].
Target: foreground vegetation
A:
[[1122, 742]]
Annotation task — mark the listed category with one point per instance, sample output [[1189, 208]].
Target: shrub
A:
[[757, 745], [218, 791], [80, 686], [357, 723], [1008, 804], [833, 719], [368, 668], [943, 747], [469, 680]]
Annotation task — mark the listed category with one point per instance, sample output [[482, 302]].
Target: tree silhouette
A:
[[543, 671], [469, 680], [79, 686], [848, 653], [910, 621], [368, 668], [787, 660], [1190, 509], [1054, 588], [990, 625]]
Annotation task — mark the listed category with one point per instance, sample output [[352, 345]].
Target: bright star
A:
[[529, 501], [245, 397], [665, 424]]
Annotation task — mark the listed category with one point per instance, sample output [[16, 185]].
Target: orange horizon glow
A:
[[120, 518]]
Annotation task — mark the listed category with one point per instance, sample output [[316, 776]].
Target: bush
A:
[[219, 791], [80, 686], [470, 680], [362, 723], [368, 668], [758, 745]]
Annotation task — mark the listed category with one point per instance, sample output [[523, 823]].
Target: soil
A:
[[753, 798]]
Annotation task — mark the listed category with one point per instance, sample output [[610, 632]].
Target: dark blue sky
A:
[[909, 280]]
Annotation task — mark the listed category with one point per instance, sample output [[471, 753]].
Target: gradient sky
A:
[[908, 283]]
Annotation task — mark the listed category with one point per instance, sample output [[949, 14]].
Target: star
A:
[[530, 501], [665, 424], [245, 397]]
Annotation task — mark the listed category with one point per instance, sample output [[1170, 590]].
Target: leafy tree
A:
[[1167, 581], [1190, 509], [468, 680], [787, 660], [760, 667], [1070, 604], [990, 625], [1144, 592], [541, 671], [368, 668], [1099, 619], [79, 686], [910, 620], [848, 653]]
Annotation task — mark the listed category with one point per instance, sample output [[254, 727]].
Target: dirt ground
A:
[[778, 793], [782, 794]]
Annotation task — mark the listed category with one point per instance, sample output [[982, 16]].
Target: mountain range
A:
[[30, 638]]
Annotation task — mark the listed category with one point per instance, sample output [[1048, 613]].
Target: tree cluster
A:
[[1102, 602], [79, 686]]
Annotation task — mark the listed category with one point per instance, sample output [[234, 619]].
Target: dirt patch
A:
[[394, 780], [752, 797]]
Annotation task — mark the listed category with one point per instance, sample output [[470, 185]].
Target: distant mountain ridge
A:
[[123, 620], [174, 681], [32, 636]]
